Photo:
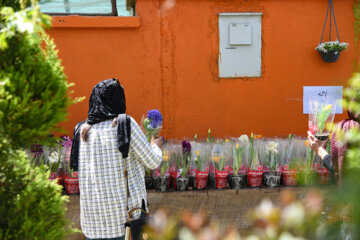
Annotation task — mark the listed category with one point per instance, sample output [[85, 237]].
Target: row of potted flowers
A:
[[237, 163], [57, 158]]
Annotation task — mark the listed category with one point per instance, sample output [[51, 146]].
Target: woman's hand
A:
[[317, 145], [157, 141]]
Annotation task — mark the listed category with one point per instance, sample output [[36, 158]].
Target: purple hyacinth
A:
[[155, 118], [186, 147], [67, 142]]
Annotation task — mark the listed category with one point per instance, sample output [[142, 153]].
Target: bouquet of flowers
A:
[[320, 113], [153, 123]]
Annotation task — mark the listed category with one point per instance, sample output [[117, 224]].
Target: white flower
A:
[[244, 139], [271, 147], [265, 209], [21, 24], [289, 236], [53, 158], [293, 215]]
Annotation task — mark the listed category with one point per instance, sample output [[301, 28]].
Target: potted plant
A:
[[199, 171], [71, 179], [330, 51], [272, 173], [183, 163], [289, 169], [320, 113], [237, 178], [255, 171], [149, 181], [306, 173], [221, 175], [53, 162], [161, 180]]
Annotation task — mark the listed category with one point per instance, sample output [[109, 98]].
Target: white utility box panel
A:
[[240, 33], [240, 45]]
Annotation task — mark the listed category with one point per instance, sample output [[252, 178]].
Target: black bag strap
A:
[[126, 175]]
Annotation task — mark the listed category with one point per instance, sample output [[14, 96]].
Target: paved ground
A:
[[226, 206]]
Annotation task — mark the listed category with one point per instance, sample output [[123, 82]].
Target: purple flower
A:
[[155, 118], [186, 147], [66, 141]]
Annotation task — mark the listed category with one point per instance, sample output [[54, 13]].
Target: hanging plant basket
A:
[[330, 51]]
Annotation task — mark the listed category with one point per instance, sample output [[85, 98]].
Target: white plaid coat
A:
[[103, 210]]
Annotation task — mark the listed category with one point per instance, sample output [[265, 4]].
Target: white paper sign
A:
[[332, 93]]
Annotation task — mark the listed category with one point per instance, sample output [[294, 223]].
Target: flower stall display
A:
[[152, 124], [320, 113], [237, 173], [218, 157], [272, 172], [71, 179], [255, 170], [199, 170]]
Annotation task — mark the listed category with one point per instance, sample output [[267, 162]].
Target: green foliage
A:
[[33, 87], [31, 206], [182, 162], [33, 100]]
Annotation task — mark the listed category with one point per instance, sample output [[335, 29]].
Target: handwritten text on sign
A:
[[332, 93]]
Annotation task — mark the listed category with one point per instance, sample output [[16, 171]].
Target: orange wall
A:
[[169, 62]]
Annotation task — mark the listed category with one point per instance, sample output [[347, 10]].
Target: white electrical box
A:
[[240, 33], [239, 45]]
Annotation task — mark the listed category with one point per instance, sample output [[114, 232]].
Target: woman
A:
[[104, 146]]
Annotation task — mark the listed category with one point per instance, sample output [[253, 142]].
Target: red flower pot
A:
[[72, 184], [289, 177], [201, 179], [323, 176], [255, 178], [54, 177], [221, 179]]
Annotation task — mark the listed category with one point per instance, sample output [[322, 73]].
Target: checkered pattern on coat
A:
[[103, 210]]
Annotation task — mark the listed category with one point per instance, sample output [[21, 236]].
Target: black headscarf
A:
[[107, 101]]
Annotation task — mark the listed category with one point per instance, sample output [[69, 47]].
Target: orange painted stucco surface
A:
[[167, 59]]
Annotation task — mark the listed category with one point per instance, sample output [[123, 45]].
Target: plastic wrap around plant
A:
[[321, 112]]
